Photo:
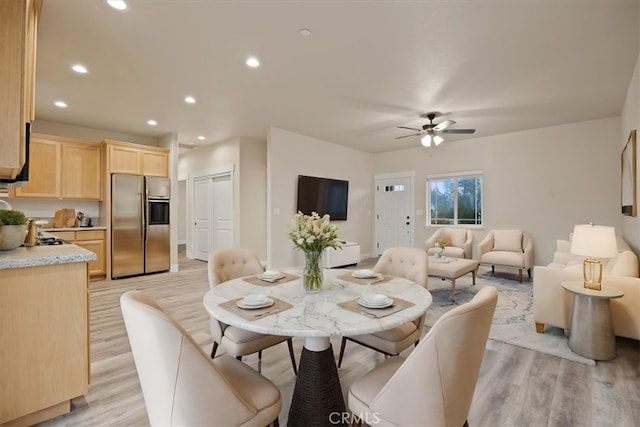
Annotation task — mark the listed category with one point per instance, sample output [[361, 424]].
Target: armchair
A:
[[507, 248], [459, 242]]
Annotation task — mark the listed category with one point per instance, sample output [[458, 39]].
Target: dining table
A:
[[334, 311]]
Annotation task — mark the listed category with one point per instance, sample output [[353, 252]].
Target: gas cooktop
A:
[[50, 241]]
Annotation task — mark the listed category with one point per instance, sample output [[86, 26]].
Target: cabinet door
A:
[[155, 164], [97, 267], [81, 172], [44, 170], [125, 160]]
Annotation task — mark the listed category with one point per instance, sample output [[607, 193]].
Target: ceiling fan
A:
[[431, 130]]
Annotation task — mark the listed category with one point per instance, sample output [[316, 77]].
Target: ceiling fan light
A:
[[437, 139], [426, 140]]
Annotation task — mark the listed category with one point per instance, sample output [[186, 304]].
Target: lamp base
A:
[[592, 272], [593, 286]]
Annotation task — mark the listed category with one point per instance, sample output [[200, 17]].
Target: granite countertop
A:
[[93, 227], [44, 255]]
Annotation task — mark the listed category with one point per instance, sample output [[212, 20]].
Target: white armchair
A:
[[507, 248], [458, 243]]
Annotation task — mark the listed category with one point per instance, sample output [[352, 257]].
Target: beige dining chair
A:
[[181, 385], [434, 385], [225, 265], [412, 264]]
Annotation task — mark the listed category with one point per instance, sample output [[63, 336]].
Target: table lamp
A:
[[593, 241]]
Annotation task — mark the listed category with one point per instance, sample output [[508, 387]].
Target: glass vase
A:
[[312, 274]]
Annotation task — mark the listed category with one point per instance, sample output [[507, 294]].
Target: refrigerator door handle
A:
[[143, 219]]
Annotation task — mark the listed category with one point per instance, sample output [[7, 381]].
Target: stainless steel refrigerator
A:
[[139, 225]]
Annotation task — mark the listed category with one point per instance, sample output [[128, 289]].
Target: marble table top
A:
[[318, 314]]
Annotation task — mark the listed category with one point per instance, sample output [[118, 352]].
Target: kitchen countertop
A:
[[44, 255]]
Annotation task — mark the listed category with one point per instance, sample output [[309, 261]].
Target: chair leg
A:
[[260, 361], [466, 423], [520, 275], [493, 269], [213, 351], [292, 356], [239, 358], [342, 346], [539, 327], [529, 272]]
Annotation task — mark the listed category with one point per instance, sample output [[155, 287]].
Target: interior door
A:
[[394, 222], [202, 217], [222, 212]]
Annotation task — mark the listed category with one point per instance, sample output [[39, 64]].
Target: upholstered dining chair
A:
[[181, 385], [228, 264], [434, 385], [458, 242], [412, 264]]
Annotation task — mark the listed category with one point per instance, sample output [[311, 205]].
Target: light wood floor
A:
[[516, 386]]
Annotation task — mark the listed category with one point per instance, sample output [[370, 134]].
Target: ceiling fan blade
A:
[[442, 126], [459, 131], [405, 127], [406, 136]]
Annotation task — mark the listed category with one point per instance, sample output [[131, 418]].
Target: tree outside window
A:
[[455, 200]]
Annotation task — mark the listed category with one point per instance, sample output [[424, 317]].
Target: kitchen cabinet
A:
[[18, 26], [135, 159], [44, 356], [92, 240], [62, 168]]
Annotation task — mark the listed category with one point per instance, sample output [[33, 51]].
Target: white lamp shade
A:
[[594, 241], [437, 139], [426, 140]]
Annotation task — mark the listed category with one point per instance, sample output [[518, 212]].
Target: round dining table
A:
[[317, 316]]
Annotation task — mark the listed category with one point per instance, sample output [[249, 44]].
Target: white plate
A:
[[255, 299], [386, 304], [271, 275], [268, 303], [364, 274]]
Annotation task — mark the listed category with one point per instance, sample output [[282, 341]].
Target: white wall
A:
[[290, 154], [182, 211], [631, 120], [252, 171], [541, 180]]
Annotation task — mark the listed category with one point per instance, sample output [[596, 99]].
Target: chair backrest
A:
[[410, 263], [228, 264], [180, 384], [438, 378]]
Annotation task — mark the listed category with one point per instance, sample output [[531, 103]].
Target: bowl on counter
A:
[[12, 236]]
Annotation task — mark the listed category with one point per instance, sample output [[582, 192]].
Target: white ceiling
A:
[[368, 66]]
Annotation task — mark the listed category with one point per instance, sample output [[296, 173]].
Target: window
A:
[[455, 199]]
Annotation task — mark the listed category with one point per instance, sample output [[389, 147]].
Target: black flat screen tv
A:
[[324, 196]]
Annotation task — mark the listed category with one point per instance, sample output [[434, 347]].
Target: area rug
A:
[[513, 319]]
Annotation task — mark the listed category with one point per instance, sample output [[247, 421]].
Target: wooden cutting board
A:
[[65, 218]]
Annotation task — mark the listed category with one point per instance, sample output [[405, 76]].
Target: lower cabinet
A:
[[92, 240]]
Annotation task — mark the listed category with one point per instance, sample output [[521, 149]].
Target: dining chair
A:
[[181, 385], [434, 385], [412, 264], [225, 265]]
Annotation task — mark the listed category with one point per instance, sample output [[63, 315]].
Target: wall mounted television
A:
[[324, 196]]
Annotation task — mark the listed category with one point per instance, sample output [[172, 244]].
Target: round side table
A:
[[591, 333]]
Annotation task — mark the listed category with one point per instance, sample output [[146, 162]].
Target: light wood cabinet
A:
[[135, 159], [18, 26], [44, 356], [92, 240], [62, 168]]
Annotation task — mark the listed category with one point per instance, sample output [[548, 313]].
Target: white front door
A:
[[202, 217], [394, 205]]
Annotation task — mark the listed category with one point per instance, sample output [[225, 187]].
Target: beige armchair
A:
[[181, 385], [434, 385], [412, 264], [458, 242], [224, 265], [507, 248]]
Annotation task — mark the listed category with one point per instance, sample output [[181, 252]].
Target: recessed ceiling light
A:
[[117, 4], [253, 62], [201, 138], [152, 122], [80, 69], [60, 104], [305, 32], [190, 100]]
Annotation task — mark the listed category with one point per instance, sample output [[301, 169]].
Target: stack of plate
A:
[[271, 275], [364, 274], [255, 301], [375, 301]]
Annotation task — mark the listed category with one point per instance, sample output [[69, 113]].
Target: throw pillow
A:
[[507, 240]]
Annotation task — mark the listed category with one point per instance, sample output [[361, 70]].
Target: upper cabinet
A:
[[63, 168], [136, 159], [18, 26]]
